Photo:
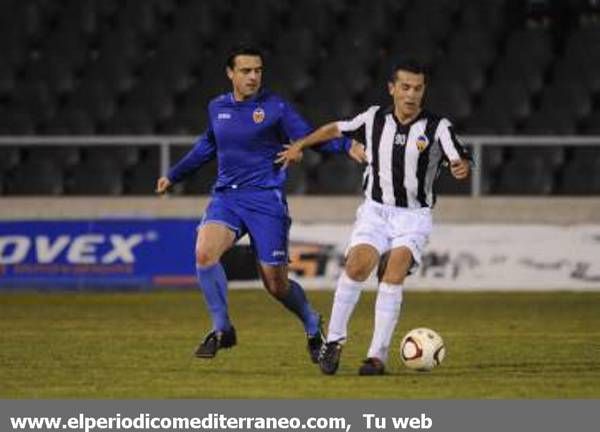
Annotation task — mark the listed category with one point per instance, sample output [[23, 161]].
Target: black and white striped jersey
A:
[[403, 160]]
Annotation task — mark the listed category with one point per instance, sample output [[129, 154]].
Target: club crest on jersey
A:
[[400, 139], [258, 115], [422, 142]]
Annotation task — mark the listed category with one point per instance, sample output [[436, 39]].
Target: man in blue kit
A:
[[247, 128]]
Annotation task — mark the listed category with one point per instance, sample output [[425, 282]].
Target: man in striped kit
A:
[[405, 147]]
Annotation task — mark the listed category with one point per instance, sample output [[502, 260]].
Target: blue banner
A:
[[107, 252]]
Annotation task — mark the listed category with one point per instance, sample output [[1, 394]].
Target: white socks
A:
[[387, 312], [346, 296]]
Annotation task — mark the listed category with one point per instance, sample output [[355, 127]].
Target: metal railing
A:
[[164, 143]]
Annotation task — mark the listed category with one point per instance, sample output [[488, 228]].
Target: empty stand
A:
[[85, 67]]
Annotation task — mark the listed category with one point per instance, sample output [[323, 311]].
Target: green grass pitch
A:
[[139, 345]]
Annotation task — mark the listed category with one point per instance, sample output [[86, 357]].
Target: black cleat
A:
[[372, 366], [214, 341], [315, 342], [329, 360]]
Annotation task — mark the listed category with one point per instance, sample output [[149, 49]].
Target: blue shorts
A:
[[260, 213]]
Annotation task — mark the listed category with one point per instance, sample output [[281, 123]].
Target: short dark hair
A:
[[407, 64], [242, 49]]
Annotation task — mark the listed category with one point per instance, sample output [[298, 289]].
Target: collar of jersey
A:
[[259, 94], [390, 110]]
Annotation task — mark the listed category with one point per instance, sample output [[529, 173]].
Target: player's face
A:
[[246, 75], [407, 91]]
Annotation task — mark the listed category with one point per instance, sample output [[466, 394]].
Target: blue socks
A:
[[296, 302], [213, 284]]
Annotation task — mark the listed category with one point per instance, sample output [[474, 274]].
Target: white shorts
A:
[[388, 227]]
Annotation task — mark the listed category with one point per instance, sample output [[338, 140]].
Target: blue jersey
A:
[[246, 136]]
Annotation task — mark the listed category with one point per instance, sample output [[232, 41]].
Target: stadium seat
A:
[[585, 154], [574, 181], [551, 157], [449, 99], [123, 156], [36, 98], [121, 46], [489, 16], [376, 18], [154, 98], [16, 122], [131, 121], [549, 123], [298, 48], [8, 80], [337, 176], [520, 71], [67, 44], [94, 98], [531, 45], [142, 17], [507, 98], [265, 23], [10, 157], [592, 124], [467, 72], [71, 122], [296, 180], [141, 179], [525, 177], [448, 185], [491, 120], [475, 41], [418, 44], [39, 177], [289, 82], [355, 79], [569, 99], [586, 69], [316, 16], [201, 182], [60, 156], [101, 176], [55, 72], [437, 15]]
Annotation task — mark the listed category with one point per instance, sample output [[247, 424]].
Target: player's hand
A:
[[291, 154], [162, 185], [460, 169], [357, 152]]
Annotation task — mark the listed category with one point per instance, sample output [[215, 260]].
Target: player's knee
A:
[[205, 258], [357, 272]]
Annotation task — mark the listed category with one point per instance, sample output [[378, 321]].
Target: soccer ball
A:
[[422, 349]]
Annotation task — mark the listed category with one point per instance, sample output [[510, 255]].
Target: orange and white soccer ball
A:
[[422, 349]]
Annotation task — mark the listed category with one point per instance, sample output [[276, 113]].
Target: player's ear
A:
[[391, 88], [229, 72]]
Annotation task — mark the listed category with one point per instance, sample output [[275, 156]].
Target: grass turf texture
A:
[[500, 345]]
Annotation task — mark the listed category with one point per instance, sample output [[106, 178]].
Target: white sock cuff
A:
[[389, 288], [349, 284]]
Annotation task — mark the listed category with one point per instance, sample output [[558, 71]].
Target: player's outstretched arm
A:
[[293, 152]]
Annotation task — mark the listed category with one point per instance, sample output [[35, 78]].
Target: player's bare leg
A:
[[393, 269], [212, 241], [290, 294], [360, 262]]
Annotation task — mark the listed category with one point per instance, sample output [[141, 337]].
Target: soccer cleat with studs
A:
[[315, 342], [214, 341], [372, 366], [329, 359]]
